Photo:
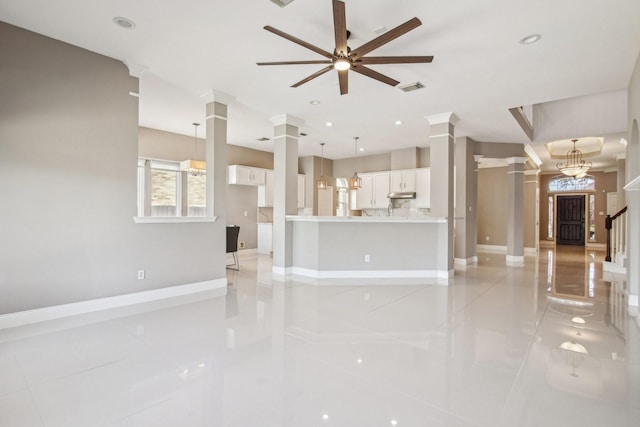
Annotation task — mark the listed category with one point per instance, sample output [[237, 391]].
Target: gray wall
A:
[[68, 160], [633, 170], [492, 206]]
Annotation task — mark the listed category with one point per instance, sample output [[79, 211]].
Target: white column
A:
[[441, 137], [216, 153], [515, 210], [285, 189]]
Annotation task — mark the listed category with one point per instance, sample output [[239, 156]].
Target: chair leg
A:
[[236, 262]]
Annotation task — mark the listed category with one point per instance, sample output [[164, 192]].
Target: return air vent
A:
[[281, 3], [411, 87], [263, 139]]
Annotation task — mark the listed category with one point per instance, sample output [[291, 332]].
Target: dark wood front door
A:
[[570, 220]]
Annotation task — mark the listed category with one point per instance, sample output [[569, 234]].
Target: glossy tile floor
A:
[[547, 344]]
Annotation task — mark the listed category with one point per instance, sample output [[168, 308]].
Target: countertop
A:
[[368, 219]]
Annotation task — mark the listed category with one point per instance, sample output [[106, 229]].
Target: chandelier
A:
[[322, 183], [355, 182], [193, 166], [574, 165]]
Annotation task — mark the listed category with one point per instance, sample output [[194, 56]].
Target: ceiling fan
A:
[[344, 59]]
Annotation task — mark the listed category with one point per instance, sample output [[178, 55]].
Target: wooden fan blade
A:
[[386, 38], [340, 27], [320, 61], [298, 41], [367, 60], [374, 75], [343, 78], [313, 76]]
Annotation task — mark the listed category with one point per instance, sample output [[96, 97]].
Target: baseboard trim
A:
[[613, 267], [27, 317], [530, 251], [515, 260], [282, 271], [371, 274], [600, 246], [495, 249], [466, 261]]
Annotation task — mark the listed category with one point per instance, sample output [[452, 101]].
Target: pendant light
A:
[[355, 182], [194, 166], [574, 165], [321, 183]]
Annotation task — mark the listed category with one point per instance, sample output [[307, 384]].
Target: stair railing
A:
[[616, 234]]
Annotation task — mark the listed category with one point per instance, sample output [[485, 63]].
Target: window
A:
[[161, 192], [550, 222], [592, 217], [566, 183]]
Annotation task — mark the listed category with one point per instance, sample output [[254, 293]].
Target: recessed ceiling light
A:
[[531, 39], [398, 122], [325, 417], [314, 102], [125, 23], [329, 124], [361, 149]]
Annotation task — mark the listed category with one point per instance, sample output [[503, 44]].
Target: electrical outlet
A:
[[245, 213], [140, 274], [487, 238], [367, 258], [241, 245]]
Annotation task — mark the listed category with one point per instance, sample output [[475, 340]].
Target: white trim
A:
[[217, 116], [633, 301], [633, 185], [612, 267], [532, 155], [369, 219], [515, 160], [466, 261], [436, 119], [217, 96], [530, 251], [282, 271], [530, 172], [621, 156], [135, 69], [477, 157], [134, 94], [515, 260], [27, 317], [513, 172], [495, 249], [172, 219], [286, 119], [370, 274], [448, 135], [286, 136]]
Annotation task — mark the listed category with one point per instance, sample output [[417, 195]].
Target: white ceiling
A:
[[480, 70]]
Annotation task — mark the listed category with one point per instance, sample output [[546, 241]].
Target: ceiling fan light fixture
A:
[[342, 64]]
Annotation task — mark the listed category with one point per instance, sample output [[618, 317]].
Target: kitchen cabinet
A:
[[374, 191], [265, 192], [402, 181], [423, 188], [265, 238], [246, 175]]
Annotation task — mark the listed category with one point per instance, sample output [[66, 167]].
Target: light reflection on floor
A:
[[547, 344]]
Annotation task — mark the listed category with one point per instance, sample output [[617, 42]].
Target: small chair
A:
[[232, 245]]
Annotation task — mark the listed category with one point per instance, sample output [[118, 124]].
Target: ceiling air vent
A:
[[411, 87], [263, 139], [281, 3]]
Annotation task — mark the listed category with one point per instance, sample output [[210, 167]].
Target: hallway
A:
[[547, 344]]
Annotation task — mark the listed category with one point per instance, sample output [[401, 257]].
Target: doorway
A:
[[570, 220]]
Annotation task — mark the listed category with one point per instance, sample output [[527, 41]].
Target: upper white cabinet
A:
[[246, 175], [402, 181], [374, 191], [423, 188]]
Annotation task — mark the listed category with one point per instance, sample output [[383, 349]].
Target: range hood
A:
[[402, 195]]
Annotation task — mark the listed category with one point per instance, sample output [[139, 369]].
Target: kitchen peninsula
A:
[[369, 247]]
